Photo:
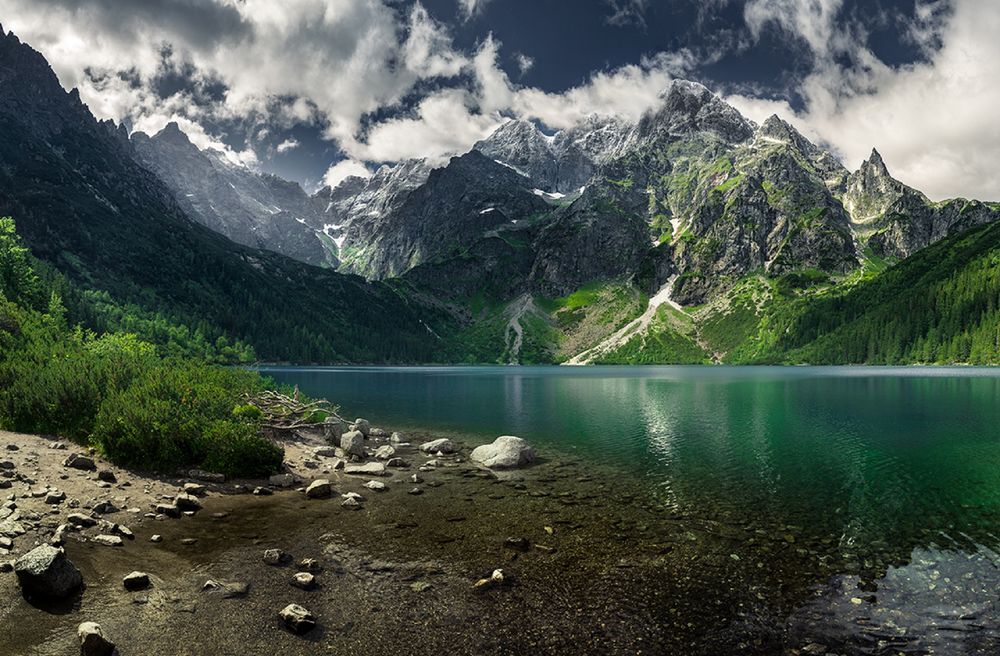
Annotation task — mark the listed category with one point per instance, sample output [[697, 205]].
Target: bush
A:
[[182, 415]]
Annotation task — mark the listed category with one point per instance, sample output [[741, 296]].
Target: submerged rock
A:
[[438, 446], [47, 572], [506, 452]]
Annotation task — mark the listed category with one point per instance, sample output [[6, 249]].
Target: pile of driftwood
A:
[[284, 414]]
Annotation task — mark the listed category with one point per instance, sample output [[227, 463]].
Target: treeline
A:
[[134, 401], [941, 305]]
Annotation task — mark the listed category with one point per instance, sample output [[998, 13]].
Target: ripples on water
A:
[[895, 473]]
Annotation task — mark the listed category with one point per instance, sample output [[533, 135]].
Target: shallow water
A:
[[886, 478]]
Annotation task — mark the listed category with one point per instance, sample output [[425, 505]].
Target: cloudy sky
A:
[[314, 90]]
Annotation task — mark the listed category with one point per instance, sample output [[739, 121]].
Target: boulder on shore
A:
[[353, 443], [438, 446], [319, 489], [362, 426], [47, 572], [92, 640], [506, 452], [136, 581], [333, 428]]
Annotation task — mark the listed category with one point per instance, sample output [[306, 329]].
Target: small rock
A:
[[304, 580], [397, 463], [189, 541], [416, 491], [136, 581], [6, 567], [297, 618], [262, 491], [325, 452], [416, 479], [55, 497], [350, 502], [397, 438], [92, 640], [187, 502], [6, 543], [80, 461], [420, 586], [376, 486], [206, 477], [438, 446], [195, 489], [518, 544], [366, 469], [494, 580], [168, 509], [352, 495], [309, 565], [156, 538], [362, 426], [283, 480], [319, 489], [274, 557], [385, 452], [105, 508], [107, 476], [228, 590], [13, 447], [108, 540]]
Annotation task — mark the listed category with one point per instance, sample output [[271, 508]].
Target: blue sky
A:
[[314, 89]]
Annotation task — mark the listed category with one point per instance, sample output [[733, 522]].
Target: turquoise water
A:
[[884, 479], [866, 451]]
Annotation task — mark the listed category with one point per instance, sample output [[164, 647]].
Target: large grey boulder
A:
[[438, 446], [47, 572], [353, 443], [92, 640], [506, 452], [362, 426]]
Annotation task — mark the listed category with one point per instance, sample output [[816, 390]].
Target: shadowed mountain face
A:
[[83, 203], [262, 211]]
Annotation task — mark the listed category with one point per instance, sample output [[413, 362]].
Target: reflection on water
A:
[[871, 465]]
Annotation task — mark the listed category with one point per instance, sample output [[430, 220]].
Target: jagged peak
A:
[[687, 88], [875, 164], [172, 133]]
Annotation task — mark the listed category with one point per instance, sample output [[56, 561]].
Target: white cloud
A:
[[470, 8], [287, 145], [524, 62], [934, 121], [345, 169], [627, 12]]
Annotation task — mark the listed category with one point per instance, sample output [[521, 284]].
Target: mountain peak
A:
[[172, 134], [875, 164]]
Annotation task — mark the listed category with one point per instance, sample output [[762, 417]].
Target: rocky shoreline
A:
[[405, 544]]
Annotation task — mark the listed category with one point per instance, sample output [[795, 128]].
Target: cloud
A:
[[627, 12], [524, 63], [934, 121], [287, 145], [470, 8], [343, 170]]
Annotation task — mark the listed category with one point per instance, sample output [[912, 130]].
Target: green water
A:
[[886, 481], [867, 453]]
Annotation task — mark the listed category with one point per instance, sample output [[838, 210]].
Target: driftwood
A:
[[284, 414]]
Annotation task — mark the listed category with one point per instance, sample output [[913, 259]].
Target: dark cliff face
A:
[[85, 205], [256, 210]]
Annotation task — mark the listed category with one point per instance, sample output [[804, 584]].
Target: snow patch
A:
[[515, 170], [488, 210], [555, 195]]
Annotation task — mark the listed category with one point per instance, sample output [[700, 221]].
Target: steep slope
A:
[[261, 211], [444, 216], [895, 220], [83, 204]]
